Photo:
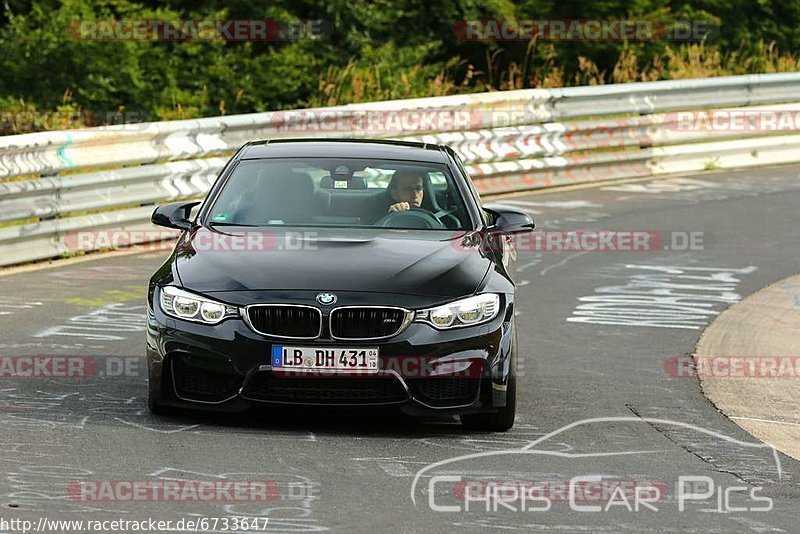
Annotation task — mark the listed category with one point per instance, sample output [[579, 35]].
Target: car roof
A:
[[345, 148]]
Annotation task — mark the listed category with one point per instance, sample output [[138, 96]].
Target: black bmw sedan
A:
[[338, 272]]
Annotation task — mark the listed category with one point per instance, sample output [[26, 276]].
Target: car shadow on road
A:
[[374, 422]]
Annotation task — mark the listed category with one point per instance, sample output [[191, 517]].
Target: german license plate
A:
[[325, 358]]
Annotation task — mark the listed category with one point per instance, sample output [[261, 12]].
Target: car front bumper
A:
[[423, 371]]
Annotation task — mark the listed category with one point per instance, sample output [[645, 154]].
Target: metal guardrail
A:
[[50, 185]]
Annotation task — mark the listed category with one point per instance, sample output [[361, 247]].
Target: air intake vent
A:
[[368, 322], [324, 390], [289, 321]]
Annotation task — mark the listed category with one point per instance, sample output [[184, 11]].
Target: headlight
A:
[[184, 305], [464, 312]]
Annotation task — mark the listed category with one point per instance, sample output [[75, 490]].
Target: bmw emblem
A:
[[326, 299]]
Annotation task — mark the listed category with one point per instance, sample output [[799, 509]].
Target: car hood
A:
[[432, 263]]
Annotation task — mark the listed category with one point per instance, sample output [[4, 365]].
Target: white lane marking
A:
[[562, 262], [151, 429], [520, 204], [56, 346], [396, 466], [556, 204], [108, 323], [395, 469], [532, 263], [371, 459], [671, 185], [764, 420], [7, 303], [662, 297], [529, 527]]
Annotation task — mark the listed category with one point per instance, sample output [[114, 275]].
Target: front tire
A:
[[155, 407], [503, 418], [155, 389]]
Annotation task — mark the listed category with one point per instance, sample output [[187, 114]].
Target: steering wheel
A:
[[448, 216], [411, 218]]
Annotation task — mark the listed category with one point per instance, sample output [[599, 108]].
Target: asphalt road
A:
[[598, 395]]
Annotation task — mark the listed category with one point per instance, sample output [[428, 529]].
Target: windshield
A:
[[340, 192]]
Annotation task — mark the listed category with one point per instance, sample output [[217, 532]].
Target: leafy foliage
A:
[[374, 50]]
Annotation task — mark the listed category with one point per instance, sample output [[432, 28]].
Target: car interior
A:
[[264, 195]]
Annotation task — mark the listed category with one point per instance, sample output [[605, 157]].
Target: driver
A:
[[405, 191]]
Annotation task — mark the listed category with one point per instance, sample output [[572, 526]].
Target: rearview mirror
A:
[[175, 215], [509, 220]]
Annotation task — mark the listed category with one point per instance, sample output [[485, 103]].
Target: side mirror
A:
[[509, 220], [174, 215]]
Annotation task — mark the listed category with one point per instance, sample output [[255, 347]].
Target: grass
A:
[[368, 80], [699, 60], [541, 68], [356, 83]]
